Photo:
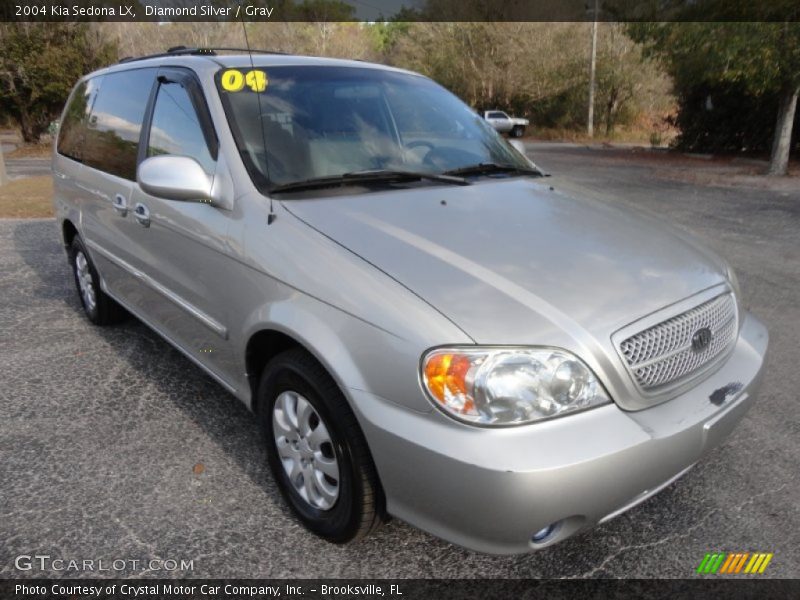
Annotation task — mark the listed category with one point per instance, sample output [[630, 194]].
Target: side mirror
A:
[[175, 178], [518, 146]]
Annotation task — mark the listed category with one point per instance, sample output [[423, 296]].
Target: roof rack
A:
[[183, 50]]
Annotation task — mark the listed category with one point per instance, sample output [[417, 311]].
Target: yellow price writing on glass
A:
[[234, 80]]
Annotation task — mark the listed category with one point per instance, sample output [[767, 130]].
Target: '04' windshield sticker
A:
[[233, 80]]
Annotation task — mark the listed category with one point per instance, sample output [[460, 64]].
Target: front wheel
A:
[[316, 450], [517, 131]]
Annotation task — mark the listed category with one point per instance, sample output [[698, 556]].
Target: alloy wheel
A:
[[306, 450]]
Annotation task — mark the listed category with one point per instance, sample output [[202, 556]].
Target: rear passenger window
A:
[[176, 127], [74, 125], [116, 120]]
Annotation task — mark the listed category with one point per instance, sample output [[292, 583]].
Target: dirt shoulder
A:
[[27, 198], [31, 151]]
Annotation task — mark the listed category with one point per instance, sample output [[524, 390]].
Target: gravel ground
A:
[[114, 446]]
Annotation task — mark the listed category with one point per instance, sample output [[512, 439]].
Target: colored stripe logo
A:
[[731, 563]]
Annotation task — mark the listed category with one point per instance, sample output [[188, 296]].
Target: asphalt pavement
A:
[[113, 446]]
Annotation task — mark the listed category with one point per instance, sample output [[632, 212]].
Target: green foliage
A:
[[39, 65], [323, 10], [728, 77], [385, 34], [762, 57], [726, 117]]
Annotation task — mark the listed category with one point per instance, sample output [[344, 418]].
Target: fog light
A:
[[543, 534]]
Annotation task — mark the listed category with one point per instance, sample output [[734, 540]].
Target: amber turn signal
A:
[[446, 379]]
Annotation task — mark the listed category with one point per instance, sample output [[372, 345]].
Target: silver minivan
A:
[[422, 325]]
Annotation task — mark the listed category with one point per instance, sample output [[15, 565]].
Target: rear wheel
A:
[[316, 450], [98, 306]]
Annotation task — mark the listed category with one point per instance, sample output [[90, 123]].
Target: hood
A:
[[512, 261]]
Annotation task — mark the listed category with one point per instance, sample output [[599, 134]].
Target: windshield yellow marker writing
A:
[[233, 80], [256, 80]]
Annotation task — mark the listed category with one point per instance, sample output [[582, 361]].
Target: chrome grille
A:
[[664, 354]]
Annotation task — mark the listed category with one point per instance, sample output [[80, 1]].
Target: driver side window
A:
[[176, 128]]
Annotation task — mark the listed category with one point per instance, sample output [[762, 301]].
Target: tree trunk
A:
[[611, 106], [3, 174], [28, 128], [781, 141]]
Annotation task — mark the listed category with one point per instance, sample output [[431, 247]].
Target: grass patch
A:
[[44, 150], [27, 198]]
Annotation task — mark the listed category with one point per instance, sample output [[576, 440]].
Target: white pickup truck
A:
[[513, 126]]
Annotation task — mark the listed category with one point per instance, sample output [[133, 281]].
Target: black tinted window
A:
[[72, 134], [497, 115], [116, 121], [176, 127]]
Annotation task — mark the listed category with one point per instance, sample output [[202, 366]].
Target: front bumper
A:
[[490, 489]]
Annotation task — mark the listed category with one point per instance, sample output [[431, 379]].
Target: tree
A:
[[627, 82], [39, 65], [536, 70], [761, 58]]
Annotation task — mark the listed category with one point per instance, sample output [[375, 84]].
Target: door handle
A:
[[142, 214], [121, 205]]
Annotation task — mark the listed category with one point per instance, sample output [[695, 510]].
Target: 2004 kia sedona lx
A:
[[423, 327]]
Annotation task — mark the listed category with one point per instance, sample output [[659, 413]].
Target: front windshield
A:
[[330, 121]]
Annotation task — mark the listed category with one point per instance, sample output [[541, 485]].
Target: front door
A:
[[184, 244]]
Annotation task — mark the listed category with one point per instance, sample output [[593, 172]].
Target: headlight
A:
[[509, 386]]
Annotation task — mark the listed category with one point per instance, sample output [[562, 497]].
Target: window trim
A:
[[189, 81], [260, 181]]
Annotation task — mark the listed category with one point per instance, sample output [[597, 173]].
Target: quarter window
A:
[[112, 134], [74, 125], [176, 127]]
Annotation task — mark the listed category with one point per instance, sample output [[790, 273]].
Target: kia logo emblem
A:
[[701, 339]]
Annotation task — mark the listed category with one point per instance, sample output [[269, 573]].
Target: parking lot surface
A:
[[113, 446]]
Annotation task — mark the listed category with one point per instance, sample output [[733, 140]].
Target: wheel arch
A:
[[263, 346], [68, 232], [314, 337]]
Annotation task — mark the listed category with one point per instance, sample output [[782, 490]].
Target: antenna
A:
[[272, 216]]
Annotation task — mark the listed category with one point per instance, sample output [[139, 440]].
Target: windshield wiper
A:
[[375, 175], [489, 168]]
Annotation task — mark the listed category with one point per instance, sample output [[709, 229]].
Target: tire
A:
[[359, 507], [98, 306], [517, 131]]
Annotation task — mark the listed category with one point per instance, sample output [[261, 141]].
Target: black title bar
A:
[[399, 10], [397, 589]]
